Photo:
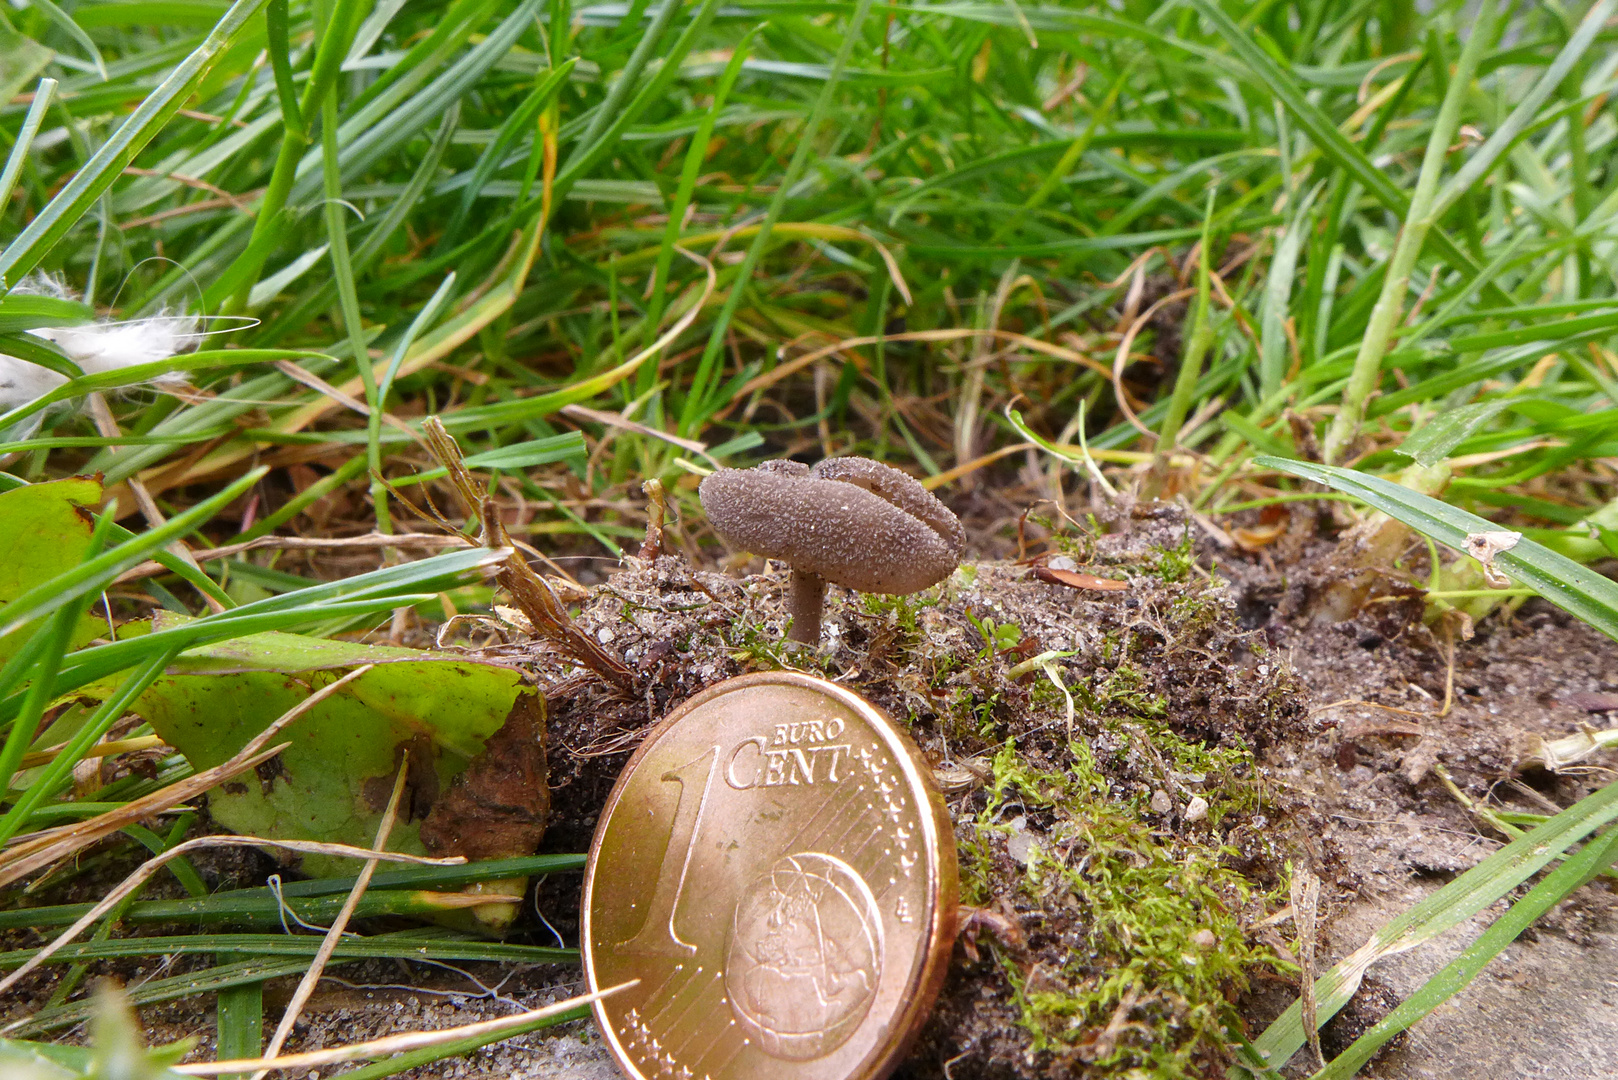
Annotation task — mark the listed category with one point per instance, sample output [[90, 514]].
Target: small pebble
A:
[[1020, 844], [1204, 939], [1161, 803], [1196, 809]]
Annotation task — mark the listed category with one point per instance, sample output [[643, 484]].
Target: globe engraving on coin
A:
[[776, 870], [805, 956]]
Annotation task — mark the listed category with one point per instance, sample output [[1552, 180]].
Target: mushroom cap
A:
[[852, 521]]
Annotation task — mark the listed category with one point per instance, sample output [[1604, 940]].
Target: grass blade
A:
[[1478, 165], [1419, 220], [107, 164], [1558, 885], [1449, 907], [1325, 135], [1569, 585], [335, 38], [25, 138], [107, 714], [697, 404]]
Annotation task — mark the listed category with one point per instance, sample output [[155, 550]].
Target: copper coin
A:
[[777, 869]]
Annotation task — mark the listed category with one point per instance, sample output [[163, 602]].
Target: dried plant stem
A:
[[311, 978], [531, 592], [100, 750], [1120, 359], [1305, 909], [397, 1044], [949, 476], [652, 546]]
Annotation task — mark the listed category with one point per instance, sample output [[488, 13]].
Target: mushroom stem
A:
[[806, 595]]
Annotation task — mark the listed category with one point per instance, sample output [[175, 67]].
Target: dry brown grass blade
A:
[[1121, 358], [106, 749], [614, 420], [1305, 908], [949, 476], [396, 1044], [151, 866], [798, 363], [300, 543], [23, 859], [306, 986], [43, 848], [531, 593]]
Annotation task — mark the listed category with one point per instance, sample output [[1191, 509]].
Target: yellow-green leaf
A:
[[44, 531], [332, 783]]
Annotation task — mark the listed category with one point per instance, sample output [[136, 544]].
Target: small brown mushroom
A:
[[851, 521]]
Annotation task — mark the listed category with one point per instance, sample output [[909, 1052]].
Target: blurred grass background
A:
[[503, 205]]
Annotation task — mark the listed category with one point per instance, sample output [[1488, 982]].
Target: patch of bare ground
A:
[[1385, 830]]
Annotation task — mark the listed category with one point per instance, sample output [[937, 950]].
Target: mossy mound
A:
[[1097, 750]]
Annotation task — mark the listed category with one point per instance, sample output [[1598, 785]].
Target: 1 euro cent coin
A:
[[776, 873]]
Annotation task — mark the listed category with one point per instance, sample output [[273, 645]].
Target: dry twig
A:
[[532, 593]]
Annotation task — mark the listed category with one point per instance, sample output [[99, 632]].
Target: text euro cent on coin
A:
[[777, 871]]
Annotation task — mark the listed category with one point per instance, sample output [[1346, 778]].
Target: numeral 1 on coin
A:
[[657, 934]]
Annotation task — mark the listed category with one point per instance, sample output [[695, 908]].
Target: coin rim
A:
[[937, 830]]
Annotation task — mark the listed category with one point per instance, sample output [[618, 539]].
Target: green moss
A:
[[1081, 545], [1223, 775], [1192, 613], [1154, 920], [972, 714], [1174, 564], [1123, 689], [901, 609], [758, 648], [974, 857]]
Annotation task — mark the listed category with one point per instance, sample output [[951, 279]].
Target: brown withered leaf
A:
[[1075, 579], [1252, 539], [497, 808], [421, 779]]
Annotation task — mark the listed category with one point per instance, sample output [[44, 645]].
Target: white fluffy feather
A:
[[96, 347]]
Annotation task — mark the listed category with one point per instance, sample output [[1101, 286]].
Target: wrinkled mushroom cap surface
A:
[[852, 521]]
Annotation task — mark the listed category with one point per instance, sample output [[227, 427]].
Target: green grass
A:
[[1405, 227]]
